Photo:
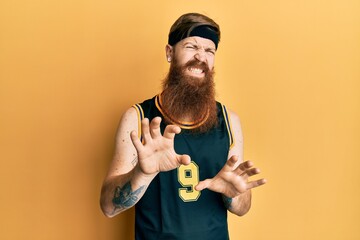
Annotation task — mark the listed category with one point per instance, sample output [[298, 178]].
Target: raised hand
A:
[[231, 181], [156, 153]]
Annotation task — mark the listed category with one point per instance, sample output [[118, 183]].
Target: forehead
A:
[[204, 42]]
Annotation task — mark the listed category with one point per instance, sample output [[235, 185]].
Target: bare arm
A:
[[123, 177], [240, 204], [232, 180], [135, 164]]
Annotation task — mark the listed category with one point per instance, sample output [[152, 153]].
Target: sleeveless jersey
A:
[[171, 209]]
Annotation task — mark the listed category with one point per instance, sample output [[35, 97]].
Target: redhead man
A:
[[179, 155]]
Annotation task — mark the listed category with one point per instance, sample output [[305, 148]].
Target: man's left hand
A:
[[231, 181]]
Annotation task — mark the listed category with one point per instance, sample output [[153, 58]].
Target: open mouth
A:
[[196, 68], [196, 71]]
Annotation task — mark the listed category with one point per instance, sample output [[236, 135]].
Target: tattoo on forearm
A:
[[124, 197], [227, 201]]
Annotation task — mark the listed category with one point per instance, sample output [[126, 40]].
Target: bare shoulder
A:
[[235, 120], [237, 148], [129, 118], [125, 151], [129, 122]]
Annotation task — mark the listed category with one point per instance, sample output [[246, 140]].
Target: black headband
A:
[[204, 31]]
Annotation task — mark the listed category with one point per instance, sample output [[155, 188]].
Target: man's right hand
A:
[[156, 153]]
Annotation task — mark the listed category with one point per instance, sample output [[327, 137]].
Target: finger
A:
[[184, 159], [231, 163], [171, 130], [202, 185], [136, 141], [145, 130], [243, 167], [251, 172], [155, 127], [257, 183]]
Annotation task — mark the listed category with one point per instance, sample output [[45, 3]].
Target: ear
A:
[[169, 52]]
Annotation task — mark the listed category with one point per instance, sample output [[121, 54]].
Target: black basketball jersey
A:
[[171, 209]]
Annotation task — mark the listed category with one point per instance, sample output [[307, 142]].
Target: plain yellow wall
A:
[[68, 70]]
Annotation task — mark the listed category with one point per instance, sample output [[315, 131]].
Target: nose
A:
[[200, 55]]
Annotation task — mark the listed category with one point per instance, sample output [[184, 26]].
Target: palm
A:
[[156, 153], [231, 181]]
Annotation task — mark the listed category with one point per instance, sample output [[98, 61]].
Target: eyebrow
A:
[[194, 42], [190, 42]]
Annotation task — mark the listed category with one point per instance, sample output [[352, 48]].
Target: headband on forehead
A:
[[204, 31]]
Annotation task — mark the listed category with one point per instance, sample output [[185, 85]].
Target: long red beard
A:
[[190, 97]]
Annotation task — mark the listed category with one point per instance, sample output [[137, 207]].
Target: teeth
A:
[[196, 70]]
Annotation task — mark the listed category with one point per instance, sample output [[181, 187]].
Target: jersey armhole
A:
[[140, 114], [228, 126]]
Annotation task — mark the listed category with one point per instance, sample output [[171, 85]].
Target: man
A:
[[178, 156]]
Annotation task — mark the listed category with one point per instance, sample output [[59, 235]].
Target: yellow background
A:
[[69, 69]]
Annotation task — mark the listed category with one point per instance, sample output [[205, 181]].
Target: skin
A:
[[189, 48], [135, 164], [233, 179]]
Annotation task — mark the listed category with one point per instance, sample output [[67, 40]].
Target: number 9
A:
[[188, 177]]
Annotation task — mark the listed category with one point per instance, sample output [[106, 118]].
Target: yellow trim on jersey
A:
[[228, 126], [182, 124], [140, 114]]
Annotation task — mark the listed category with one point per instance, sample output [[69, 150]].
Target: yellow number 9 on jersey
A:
[[188, 177]]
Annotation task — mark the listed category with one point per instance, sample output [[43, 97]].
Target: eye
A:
[[210, 51], [190, 46]]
